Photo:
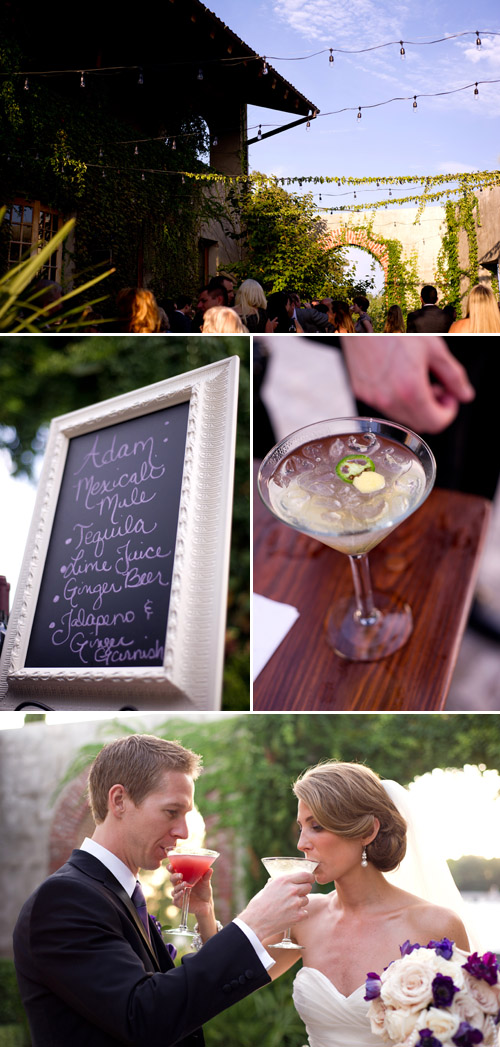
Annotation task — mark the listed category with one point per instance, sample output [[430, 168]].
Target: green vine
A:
[[450, 275], [78, 158]]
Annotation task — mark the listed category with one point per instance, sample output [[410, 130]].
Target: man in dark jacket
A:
[[91, 965]]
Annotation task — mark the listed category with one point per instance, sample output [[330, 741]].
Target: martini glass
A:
[[192, 864], [349, 482], [284, 867]]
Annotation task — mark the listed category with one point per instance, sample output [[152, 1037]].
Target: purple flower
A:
[[483, 967], [171, 949], [372, 986], [443, 948], [406, 948], [443, 990], [466, 1035], [155, 920], [427, 1039]]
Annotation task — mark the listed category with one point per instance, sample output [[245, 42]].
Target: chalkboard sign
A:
[[106, 584], [123, 593]]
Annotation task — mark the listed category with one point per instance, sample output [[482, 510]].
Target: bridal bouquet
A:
[[430, 997]]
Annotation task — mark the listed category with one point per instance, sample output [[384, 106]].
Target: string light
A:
[[136, 151], [101, 153], [200, 74], [215, 142], [414, 106], [140, 79], [174, 144], [478, 39], [476, 91], [259, 133], [26, 84], [82, 79], [331, 58], [359, 113], [265, 70], [402, 51], [308, 125]]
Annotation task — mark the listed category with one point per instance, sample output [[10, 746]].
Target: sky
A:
[[444, 135]]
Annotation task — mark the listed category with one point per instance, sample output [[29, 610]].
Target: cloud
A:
[[339, 22]]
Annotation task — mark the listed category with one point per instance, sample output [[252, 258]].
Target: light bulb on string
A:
[[26, 84], [259, 133], [136, 151], [308, 125], [265, 70], [402, 51], [143, 177], [82, 79], [359, 113], [476, 91], [331, 58], [200, 74], [478, 39], [414, 106], [174, 144], [101, 153], [215, 142], [140, 79]]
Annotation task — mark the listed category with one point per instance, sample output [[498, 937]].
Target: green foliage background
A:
[[284, 247], [42, 377]]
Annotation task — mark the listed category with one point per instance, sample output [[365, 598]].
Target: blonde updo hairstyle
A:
[[345, 798]]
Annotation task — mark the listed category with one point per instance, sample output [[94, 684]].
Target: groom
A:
[[92, 968]]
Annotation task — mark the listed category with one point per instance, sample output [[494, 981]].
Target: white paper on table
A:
[[271, 622]]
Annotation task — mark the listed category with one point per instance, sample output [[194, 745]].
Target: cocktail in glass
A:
[[349, 482], [284, 867], [192, 865]]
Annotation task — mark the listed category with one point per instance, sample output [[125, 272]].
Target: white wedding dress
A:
[[334, 1020], [331, 1019]]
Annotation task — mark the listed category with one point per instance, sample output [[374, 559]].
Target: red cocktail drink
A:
[[191, 866]]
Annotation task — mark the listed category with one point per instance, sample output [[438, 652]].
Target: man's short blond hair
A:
[[137, 762]]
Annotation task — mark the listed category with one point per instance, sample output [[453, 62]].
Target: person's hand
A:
[[271, 325], [281, 903], [201, 898], [393, 373]]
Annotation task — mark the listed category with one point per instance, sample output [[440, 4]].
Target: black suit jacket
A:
[[88, 975], [430, 319]]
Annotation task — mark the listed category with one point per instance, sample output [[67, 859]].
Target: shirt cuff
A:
[[264, 957]]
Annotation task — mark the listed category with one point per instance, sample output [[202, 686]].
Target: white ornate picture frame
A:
[[190, 677]]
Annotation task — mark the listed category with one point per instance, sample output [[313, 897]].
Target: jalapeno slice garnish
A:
[[352, 466]]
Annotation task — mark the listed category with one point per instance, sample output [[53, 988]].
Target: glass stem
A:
[[185, 909], [366, 613]]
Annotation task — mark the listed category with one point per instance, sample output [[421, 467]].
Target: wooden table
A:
[[431, 560]]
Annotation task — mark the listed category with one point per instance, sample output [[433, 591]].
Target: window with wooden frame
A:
[[31, 226]]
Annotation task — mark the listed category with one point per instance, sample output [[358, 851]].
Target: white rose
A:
[[407, 983], [376, 1014], [400, 1024], [442, 1023], [486, 996]]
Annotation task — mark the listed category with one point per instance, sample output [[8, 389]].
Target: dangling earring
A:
[[364, 859]]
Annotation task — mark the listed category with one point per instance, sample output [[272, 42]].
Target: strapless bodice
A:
[[331, 1019]]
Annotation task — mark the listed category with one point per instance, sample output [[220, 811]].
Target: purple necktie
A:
[[140, 904]]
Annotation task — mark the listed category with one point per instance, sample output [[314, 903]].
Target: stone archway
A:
[[352, 237]]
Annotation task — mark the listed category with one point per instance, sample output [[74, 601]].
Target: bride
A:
[[352, 828]]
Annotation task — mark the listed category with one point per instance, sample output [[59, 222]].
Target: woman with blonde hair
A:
[[251, 305], [220, 319], [137, 311], [394, 321], [483, 314], [355, 827]]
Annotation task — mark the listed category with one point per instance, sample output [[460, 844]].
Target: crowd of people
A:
[[223, 308]]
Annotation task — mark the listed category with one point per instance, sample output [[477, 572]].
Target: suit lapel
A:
[[91, 866]]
